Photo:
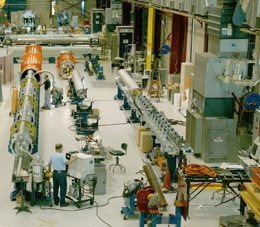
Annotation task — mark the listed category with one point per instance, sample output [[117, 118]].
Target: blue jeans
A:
[[59, 180], [47, 100]]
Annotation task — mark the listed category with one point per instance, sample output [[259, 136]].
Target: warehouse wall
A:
[[42, 10], [199, 40], [76, 10]]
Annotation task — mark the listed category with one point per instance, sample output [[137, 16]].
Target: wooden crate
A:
[[140, 129], [146, 141]]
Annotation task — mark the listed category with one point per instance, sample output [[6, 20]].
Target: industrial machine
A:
[[121, 38], [163, 134], [24, 135], [114, 15], [63, 39], [86, 119], [93, 147], [63, 18], [57, 96], [66, 64], [255, 150], [93, 65], [82, 171], [97, 17], [40, 184], [151, 198], [80, 45], [219, 120], [130, 189], [89, 66], [29, 20]]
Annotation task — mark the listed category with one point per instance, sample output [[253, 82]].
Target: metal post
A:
[[150, 37]]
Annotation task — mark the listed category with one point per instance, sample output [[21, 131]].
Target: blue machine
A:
[[161, 219], [130, 189], [57, 96], [29, 19], [86, 121], [252, 101], [63, 18], [87, 29], [24, 143], [96, 66]]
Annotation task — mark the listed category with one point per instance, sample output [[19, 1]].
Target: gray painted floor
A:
[[54, 128]]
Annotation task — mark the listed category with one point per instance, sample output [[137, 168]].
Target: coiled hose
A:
[[199, 170]]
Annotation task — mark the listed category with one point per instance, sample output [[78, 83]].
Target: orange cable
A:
[[199, 170]]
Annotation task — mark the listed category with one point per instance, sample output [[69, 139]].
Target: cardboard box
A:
[[140, 129], [146, 141]]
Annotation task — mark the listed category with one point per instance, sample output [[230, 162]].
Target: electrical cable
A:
[[99, 216], [97, 206], [71, 127], [199, 170], [86, 208], [124, 123], [240, 120]]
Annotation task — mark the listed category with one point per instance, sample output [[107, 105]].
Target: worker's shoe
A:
[[65, 204], [43, 107], [56, 204], [47, 108]]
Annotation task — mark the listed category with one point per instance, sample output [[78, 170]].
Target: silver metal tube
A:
[[51, 38], [19, 165], [78, 84], [25, 104], [129, 82]]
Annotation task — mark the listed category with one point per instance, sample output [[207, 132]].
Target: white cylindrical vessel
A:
[[78, 84], [129, 82]]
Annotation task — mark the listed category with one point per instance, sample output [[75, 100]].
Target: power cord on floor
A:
[[97, 206], [71, 127], [124, 123], [100, 217]]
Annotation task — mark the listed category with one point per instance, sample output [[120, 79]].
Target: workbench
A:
[[251, 197], [171, 90], [224, 178]]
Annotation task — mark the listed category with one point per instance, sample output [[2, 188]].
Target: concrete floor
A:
[[54, 128]]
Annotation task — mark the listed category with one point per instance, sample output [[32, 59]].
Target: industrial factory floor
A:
[[55, 128]]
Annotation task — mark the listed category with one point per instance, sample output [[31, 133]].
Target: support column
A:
[[150, 37]]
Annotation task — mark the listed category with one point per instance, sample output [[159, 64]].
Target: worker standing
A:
[[58, 162], [47, 88]]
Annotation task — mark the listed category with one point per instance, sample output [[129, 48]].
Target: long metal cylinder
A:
[[152, 179], [78, 84], [129, 82], [52, 38], [25, 105]]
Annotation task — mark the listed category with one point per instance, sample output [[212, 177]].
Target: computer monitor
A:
[[255, 151], [147, 72]]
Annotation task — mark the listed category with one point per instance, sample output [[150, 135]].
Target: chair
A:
[[118, 153], [224, 191]]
